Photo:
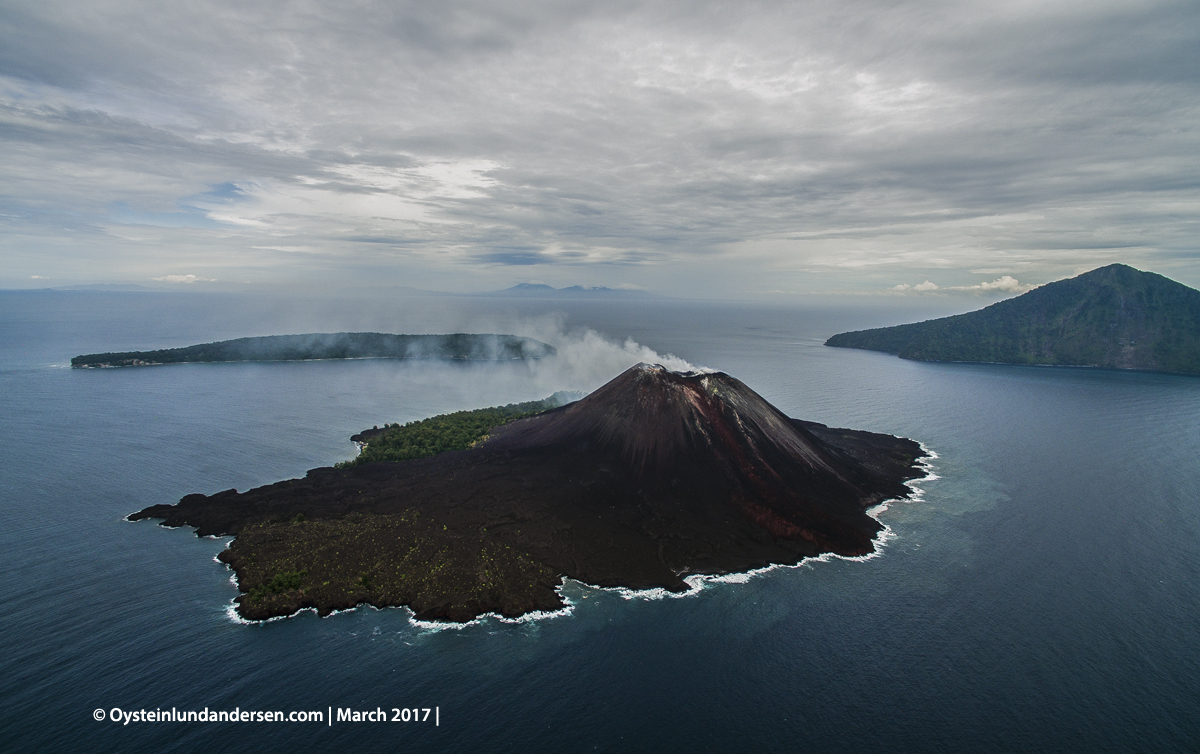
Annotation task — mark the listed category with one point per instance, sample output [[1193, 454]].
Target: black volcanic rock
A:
[[654, 476], [1113, 317]]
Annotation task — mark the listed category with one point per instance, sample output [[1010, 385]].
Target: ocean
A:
[[1039, 594]]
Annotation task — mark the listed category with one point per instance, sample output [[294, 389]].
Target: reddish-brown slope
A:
[[655, 475]]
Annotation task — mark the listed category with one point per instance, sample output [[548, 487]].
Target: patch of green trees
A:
[[456, 431]]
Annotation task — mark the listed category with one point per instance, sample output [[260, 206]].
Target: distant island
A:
[[1114, 317], [655, 476], [342, 345], [541, 290]]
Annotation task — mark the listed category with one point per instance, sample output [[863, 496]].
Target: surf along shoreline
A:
[[338, 538]]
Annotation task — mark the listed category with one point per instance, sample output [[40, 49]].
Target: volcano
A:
[[654, 476]]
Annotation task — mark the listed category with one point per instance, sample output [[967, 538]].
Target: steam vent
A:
[[652, 477]]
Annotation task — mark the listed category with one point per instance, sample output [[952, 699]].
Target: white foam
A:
[[231, 614], [696, 582], [699, 582], [535, 615]]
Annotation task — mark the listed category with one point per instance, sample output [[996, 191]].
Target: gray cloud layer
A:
[[699, 146]]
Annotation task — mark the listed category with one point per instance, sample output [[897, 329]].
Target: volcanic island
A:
[[655, 476], [1114, 317], [330, 346]]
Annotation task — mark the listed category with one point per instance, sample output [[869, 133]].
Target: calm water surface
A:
[[1042, 595]]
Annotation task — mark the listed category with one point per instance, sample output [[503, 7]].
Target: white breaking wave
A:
[[697, 583]]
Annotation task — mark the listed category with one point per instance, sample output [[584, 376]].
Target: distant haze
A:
[[760, 150]]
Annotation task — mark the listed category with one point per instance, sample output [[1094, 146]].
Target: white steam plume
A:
[[586, 360]]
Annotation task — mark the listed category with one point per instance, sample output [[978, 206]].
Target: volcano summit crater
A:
[[655, 476]]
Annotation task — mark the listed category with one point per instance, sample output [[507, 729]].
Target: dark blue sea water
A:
[[1042, 595]]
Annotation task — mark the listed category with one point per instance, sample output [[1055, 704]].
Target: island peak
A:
[[655, 475], [1113, 317]]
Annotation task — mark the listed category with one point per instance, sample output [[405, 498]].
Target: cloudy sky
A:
[[692, 148]]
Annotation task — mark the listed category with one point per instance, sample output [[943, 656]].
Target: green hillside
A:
[[1114, 317], [456, 431]]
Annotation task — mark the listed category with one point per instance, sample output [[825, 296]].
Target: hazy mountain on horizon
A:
[[541, 290]]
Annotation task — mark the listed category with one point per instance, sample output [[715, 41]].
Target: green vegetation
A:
[[280, 583], [343, 345], [1114, 317], [286, 581], [393, 559], [428, 437]]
